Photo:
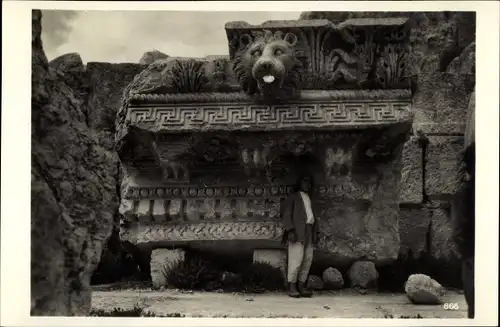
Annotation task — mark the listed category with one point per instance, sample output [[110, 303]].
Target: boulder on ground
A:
[[363, 274], [333, 278], [422, 289], [315, 282]]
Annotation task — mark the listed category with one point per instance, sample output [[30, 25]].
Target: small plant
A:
[[136, 311], [194, 273], [117, 312], [261, 277], [417, 316]]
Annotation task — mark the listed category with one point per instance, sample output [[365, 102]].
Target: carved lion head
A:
[[267, 64]]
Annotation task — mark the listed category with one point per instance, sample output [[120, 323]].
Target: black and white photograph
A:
[[292, 162]]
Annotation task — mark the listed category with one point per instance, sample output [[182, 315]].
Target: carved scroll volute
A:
[[170, 156], [337, 161]]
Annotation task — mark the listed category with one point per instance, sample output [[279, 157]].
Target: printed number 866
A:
[[450, 306]]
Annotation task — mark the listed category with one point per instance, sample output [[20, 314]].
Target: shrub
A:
[[136, 311], [260, 277], [193, 273]]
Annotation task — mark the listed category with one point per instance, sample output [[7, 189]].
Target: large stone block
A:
[[443, 172], [411, 174], [355, 229], [440, 103], [442, 245], [73, 193], [414, 224], [162, 261]]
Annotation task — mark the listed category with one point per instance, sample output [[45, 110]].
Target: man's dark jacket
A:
[[293, 213]]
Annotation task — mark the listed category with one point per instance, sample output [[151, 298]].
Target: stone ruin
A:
[[211, 146]]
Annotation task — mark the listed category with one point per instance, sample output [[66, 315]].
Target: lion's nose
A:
[[265, 65]]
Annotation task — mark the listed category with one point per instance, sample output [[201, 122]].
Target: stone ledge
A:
[[344, 189], [204, 231], [440, 129], [305, 95]]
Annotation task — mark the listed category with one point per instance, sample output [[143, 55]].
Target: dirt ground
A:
[[338, 304]]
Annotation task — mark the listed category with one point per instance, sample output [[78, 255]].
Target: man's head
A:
[[304, 184]]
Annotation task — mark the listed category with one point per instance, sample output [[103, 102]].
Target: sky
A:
[[123, 36]]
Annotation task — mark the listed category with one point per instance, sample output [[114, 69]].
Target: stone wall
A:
[[73, 187], [443, 59], [443, 66]]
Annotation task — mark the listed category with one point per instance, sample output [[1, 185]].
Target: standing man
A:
[[463, 213], [301, 235]]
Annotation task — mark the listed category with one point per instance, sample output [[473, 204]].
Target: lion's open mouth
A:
[[268, 79]]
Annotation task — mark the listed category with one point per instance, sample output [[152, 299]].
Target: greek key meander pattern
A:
[[280, 116], [268, 230]]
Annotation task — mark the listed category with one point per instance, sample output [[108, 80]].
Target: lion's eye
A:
[[257, 53], [278, 52]]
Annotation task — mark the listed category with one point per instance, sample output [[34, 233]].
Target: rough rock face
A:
[[470, 128], [151, 56], [333, 278], [107, 84], [414, 226], [73, 193], [363, 274], [421, 289]]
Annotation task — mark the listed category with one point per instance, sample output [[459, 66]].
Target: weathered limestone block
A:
[[73, 193], [357, 229], [421, 289], [107, 82], [465, 64], [443, 173], [442, 112], [161, 261], [363, 274], [333, 279], [276, 258], [411, 173], [442, 245], [151, 56], [315, 282], [414, 224]]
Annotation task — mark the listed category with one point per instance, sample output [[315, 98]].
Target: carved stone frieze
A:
[[331, 55], [274, 61], [204, 231], [337, 161], [172, 157], [324, 111], [344, 188]]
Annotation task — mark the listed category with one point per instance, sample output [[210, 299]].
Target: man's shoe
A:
[[303, 290], [292, 290]]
